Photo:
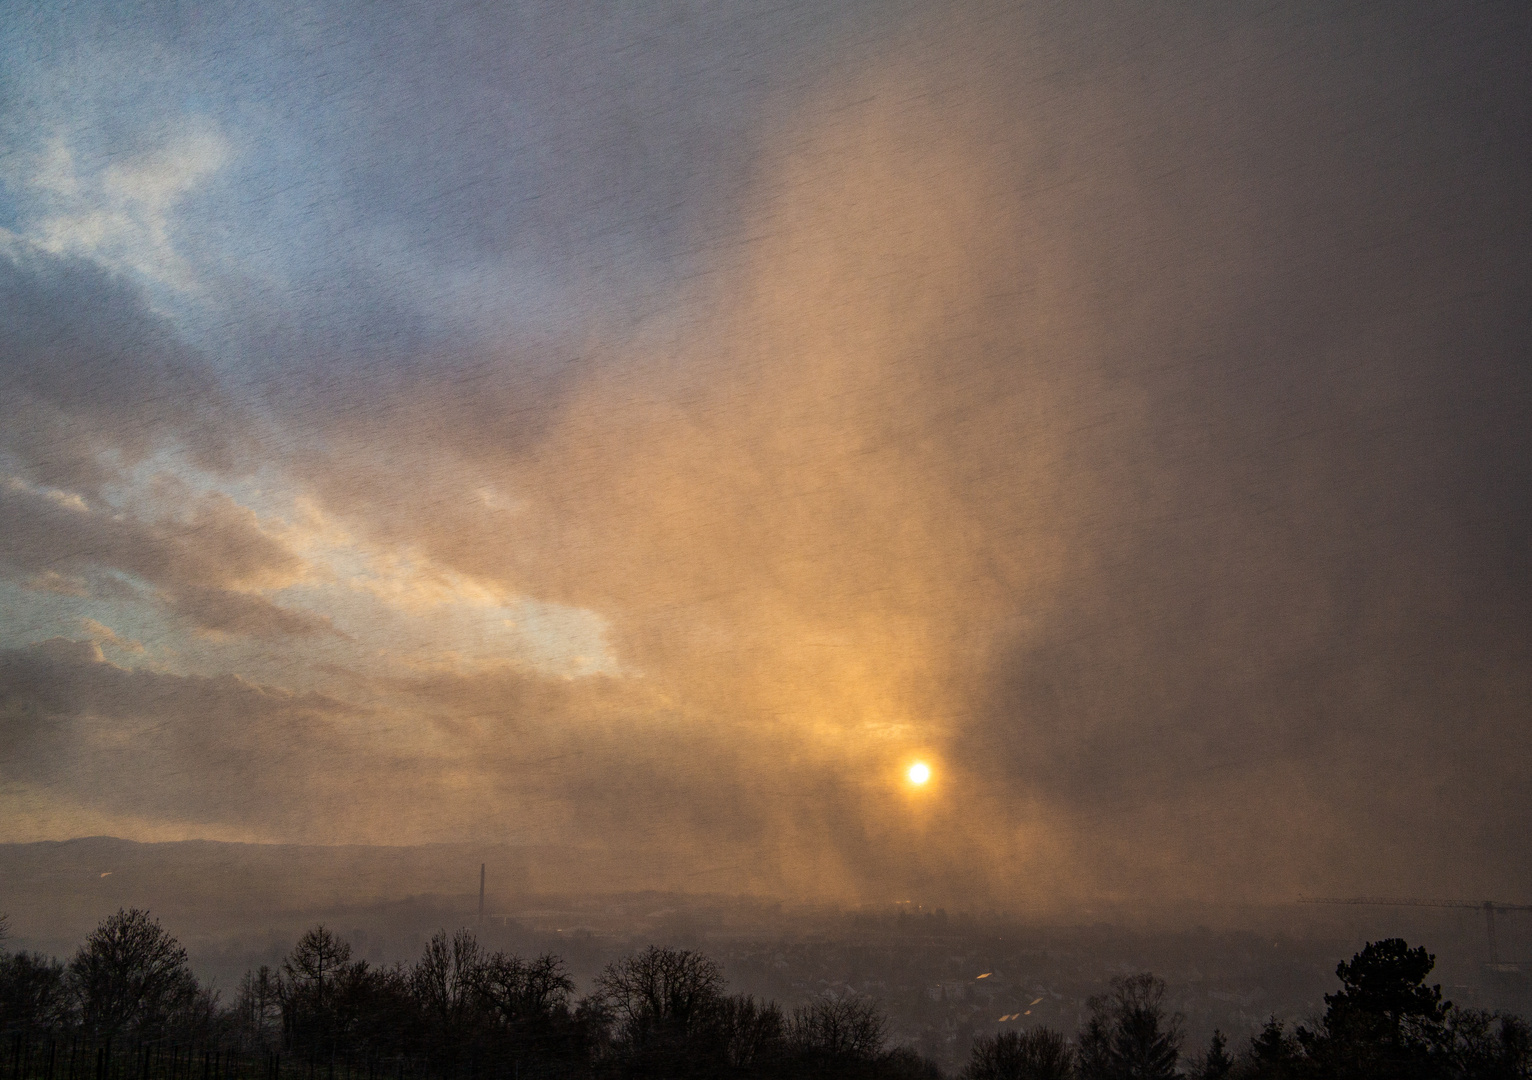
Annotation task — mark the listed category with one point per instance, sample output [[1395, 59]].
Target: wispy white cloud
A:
[[119, 212]]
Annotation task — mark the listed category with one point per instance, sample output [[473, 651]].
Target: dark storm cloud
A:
[[225, 612], [1308, 601], [199, 563], [94, 382], [158, 745], [214, 541]]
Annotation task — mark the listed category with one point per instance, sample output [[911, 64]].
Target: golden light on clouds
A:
[[971, 465]]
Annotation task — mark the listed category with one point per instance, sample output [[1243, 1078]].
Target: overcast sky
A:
[[652, 427]]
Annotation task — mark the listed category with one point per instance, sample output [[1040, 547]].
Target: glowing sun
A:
[[919, 773]]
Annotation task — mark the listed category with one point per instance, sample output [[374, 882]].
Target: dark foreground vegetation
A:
[[1385, 1023], [127, 1007]]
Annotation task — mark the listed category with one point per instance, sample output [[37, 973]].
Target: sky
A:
[[652, 428]]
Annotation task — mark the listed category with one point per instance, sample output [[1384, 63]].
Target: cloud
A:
[[95, 383], [97, 387], [221, 611], [1124, 412], [105, 634], [153, 744], [120, 214], [525, 757], [52, 581], [1096, 431], [205, 563]]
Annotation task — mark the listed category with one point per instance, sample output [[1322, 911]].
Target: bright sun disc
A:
[[919, 773]]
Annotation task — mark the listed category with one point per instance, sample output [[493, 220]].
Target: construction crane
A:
[[1489, 907]]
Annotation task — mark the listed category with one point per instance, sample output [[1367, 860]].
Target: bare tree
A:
[[1039, 1054], [258, 1008], [34, 992], [751, 1033], [130, 975], [851, 1028], [514, 988], [660, 989], [316, 960], [446, 979], [1486, 1044], [311, 974]]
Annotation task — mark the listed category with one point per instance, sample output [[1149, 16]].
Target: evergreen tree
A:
[[1385, 1023], [1130, 1036], [1216, 1064]]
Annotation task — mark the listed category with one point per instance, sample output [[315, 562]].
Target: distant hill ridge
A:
[[60, 886]]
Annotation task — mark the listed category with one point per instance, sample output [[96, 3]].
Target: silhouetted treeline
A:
[[129, 978], [458, 1012], [127, 1007], [1384, 1024]]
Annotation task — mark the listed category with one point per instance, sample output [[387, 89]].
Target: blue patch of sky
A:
[[33, 615], [10, 210], [289, 223], [389, 187], [398, 180]]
